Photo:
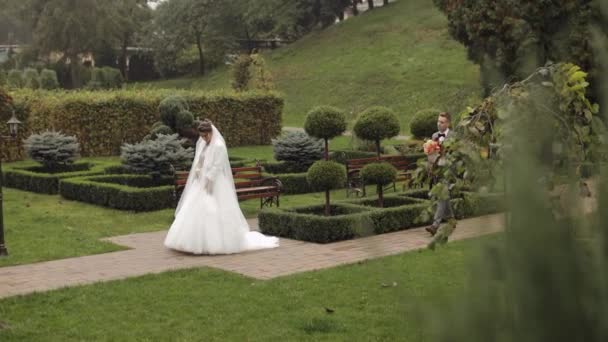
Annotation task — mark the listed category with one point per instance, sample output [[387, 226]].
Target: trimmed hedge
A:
[[293, 183], [34, 179], [124, 192], [302, 223], [104, 120], [391, 200]]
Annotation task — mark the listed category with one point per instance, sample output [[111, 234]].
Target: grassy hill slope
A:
[[400, 56]]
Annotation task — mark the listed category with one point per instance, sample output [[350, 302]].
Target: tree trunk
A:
[[370, 4], [74, 75], [326, 149], [341, 15], [201, 57], [378, 148], [122, 64], [327, 207], [380, 196], [385, 3], [355, 9]]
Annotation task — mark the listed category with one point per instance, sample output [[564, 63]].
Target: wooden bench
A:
[[353, 168], [248, 181]]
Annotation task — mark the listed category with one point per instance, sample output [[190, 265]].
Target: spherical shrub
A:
[[378, 173], [325, 122], [377, 123], [326, 175], [424, 123]]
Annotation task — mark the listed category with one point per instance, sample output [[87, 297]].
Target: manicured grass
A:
[[46, 227], [401, 56], [265, 152], [211, 305]]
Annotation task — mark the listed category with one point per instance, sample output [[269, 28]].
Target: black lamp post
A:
[[13, 126]]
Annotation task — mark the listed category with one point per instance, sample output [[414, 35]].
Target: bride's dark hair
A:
[[205, 126]]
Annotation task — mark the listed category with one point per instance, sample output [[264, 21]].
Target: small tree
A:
[[174, 116], [424, 123], [298, 149], [2, 78], [156, 157], [48, 79], [241, 73], [261, 76], [54, 150], [325, 122], [376, 124], [326, 175], [380, 174]]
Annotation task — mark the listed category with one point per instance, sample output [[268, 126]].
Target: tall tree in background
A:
[[130, 17], [69, 27], [189, 22], [509, 39]]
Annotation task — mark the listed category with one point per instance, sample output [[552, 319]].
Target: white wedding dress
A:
[[211, 222]]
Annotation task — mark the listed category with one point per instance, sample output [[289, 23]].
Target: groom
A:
[[444, 209]]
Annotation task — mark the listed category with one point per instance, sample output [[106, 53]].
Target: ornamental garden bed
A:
[[295, 182], [36, 178], [124, 192], [309, 224], [357, 218]]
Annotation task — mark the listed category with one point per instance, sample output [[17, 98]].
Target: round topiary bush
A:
[[112, 78], [380, 174], [183, 120], [326, 175], [325, 122], [424, 123], [170, 107], [54, 150], [48, 79], [161, 129], [2, 78], [15, 79], [298, 148], [376, 124], [32, 78]]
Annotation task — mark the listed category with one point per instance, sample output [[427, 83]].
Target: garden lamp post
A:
[[13, 126]]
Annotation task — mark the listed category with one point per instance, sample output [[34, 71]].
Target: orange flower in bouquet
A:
[[431, 147]]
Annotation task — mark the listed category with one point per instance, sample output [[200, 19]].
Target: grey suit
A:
[[444, 209]]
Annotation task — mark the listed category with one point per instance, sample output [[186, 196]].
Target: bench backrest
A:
[[399, 162]]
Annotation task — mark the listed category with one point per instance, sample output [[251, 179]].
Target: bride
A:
[[208, 219]]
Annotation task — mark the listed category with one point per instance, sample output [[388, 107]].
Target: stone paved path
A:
[[147, 255]]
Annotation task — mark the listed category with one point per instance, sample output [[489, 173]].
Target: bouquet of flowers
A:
[[431, 147]]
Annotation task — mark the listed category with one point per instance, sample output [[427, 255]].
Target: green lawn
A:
[[264, 152], [47, 227], [401, 57], [44, 227], [211, 305]]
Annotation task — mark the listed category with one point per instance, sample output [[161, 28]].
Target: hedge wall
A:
[[302, 224], [33, 178], [125, 192], [359, 218], [103, 120]]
